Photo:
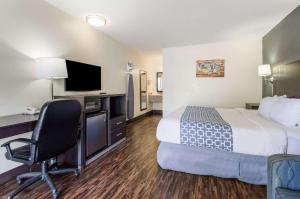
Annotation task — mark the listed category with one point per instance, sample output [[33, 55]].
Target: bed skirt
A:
[[247, 168]]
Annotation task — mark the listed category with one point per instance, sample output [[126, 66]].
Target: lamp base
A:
[[51, 90]]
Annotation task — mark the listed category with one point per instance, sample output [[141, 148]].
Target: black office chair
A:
[[56, 131]]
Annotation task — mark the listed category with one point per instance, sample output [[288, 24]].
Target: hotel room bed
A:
[[254, 139]]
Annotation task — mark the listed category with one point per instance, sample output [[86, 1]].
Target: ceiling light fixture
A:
[[95, 20]]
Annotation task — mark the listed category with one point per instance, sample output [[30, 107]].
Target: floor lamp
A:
[[51, 68]]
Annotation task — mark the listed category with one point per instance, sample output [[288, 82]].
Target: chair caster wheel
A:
[[54, 167], [19, 181], [77, 172], [56, 195]]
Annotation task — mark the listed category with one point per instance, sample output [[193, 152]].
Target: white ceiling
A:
[[150, 25]]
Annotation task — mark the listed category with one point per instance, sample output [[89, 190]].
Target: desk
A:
[[16, 124], [113, 104]]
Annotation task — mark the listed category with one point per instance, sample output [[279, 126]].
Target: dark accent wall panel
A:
[[287, 79], [281, 47]]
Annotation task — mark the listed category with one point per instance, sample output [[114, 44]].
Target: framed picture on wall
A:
[[210, 68]]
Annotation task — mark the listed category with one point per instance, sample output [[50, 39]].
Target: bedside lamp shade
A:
[[264, 70], [51, 68]]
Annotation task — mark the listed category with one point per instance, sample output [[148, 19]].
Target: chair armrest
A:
[[22, 140], [283, 172]]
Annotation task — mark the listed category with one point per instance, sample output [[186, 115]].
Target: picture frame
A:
[[210, 68]]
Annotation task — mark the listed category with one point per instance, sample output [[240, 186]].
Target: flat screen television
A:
[[82, 77]]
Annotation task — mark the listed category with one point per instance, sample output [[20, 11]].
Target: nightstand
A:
[[253, 106]]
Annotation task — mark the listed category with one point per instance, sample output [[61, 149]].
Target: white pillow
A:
[[286, 112], [280, 96], [265, 106]]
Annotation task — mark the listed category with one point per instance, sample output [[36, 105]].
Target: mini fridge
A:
[[96, 133]]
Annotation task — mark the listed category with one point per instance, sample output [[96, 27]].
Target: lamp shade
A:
[[51, 68], [264, 70]]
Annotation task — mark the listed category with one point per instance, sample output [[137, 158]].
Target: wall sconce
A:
[[265, 71]]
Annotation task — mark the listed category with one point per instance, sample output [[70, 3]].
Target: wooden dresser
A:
[[114, 105]]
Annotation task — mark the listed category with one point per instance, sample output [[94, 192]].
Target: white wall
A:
[[241, 83], [153, 65], [33, 28]]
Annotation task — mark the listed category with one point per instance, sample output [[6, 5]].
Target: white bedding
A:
[[252, 134]]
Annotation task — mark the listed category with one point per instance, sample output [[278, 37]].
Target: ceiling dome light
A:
[[95, 20]]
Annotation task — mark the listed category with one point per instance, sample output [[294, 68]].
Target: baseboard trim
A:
[[139, 117], [157, 112], [153, 112], [8, 175]]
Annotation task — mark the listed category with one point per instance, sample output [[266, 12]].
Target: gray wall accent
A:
[[281, 46], [287, 79]]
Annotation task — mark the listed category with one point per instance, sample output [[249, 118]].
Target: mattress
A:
[[252, 134]]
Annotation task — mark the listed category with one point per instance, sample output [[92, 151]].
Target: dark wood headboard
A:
[[281, 49], [287, 79]]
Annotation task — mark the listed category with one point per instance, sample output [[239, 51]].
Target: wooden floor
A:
[[131, 171]]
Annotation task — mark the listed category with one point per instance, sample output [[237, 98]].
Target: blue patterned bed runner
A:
[[204, 127]]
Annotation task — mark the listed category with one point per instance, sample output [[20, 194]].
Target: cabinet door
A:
[[119, 122], [96, 133], [118, 134]]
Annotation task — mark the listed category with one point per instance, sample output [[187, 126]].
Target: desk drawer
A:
[[118, 134], [117, 123]]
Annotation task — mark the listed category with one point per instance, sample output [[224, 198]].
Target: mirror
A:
[[143, 90], [159, 83]]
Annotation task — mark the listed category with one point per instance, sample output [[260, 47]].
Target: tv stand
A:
[[115, 107]]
